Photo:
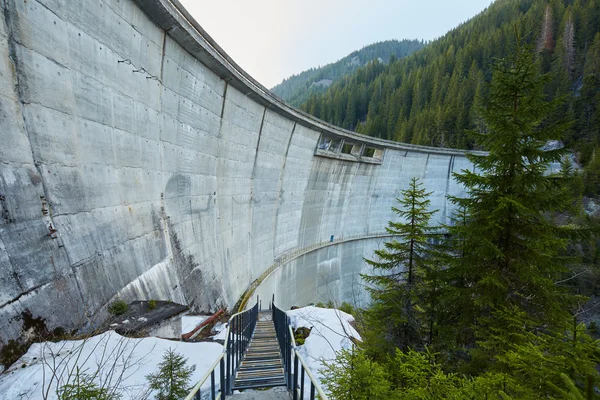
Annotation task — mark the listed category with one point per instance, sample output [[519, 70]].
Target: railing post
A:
[[289, 349], [230, 354], [295, 385], [302, 382], [222, 378], [213, 394]]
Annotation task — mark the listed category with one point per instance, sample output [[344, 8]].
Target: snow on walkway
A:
[[124, 362]]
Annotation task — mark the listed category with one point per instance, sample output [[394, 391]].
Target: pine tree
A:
[[83, 387], [400, 268], [171, 381], [512, 247], [353, 376]]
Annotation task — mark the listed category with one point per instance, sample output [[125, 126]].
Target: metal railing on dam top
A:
[[295, 369], [297, 252], [240, 328]]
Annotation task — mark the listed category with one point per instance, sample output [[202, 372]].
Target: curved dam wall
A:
[[138, 161], [329, 273]]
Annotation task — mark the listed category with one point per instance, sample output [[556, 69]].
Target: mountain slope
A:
[[297, 88], [430, 97]]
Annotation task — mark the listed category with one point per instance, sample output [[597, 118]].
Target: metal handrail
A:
[[314, 383], [289, 351], [294, 253], [239, 326], [195, 393]]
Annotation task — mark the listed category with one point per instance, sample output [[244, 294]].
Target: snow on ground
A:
[[128, 361], [189, 322], [331, 332], [221, 331]]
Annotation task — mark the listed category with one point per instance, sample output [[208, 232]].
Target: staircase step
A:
[[262, 365]]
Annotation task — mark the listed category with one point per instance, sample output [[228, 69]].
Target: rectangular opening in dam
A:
[[351, 150], [373, 153], [329, 144]]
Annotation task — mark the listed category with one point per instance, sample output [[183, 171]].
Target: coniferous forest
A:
[[494, 304], [431, 97], [298, 88], [487, 307]]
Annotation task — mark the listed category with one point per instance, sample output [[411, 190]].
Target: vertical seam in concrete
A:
[[425, 169], [223, 105], [216, 216], [9, 9], [162, 57], [279, 185], [448, 177], [262, 123], [250, 208], [349, 184]]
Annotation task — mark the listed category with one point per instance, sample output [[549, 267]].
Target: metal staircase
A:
[[262, 366], [259, 352]]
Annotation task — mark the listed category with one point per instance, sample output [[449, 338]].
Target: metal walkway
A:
[[262, 365]]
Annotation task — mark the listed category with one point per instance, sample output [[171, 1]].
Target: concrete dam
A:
[[138, 161]]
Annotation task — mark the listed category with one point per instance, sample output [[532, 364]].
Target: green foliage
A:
[[402, 275], [118, 307], [512, 249], [412, 375], [171, 381], [300, 335], [544, 361], [495, 294], [353, 376], [83, 387], [430, 97], [298, 88], [151, 304], [347, 308], [593, 327]]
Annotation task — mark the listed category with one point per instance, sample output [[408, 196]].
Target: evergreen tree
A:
[[83, 387], [171, 381], [353, 376], [413, 375], [400, 268], [512, 247]]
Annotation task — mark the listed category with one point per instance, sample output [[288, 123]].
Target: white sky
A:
[[273, 39]]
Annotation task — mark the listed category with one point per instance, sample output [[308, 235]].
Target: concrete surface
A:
[[331, 273], [271, 394], [139, 162]]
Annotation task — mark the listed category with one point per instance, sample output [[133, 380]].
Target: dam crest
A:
[[138, 161]]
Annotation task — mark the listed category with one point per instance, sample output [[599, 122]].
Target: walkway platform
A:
[[262, 366]]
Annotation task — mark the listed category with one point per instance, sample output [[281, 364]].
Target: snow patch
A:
[[331, 332], [221, 331], [127, 358], [189, 322]]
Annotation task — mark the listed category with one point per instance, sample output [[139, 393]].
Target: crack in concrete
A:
[[16, 299], [12, 42]]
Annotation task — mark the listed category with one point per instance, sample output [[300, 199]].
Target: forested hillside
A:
[[490, 306], [430, 97], [297, 88]]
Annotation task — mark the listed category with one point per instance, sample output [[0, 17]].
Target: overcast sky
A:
[[273, 39]]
